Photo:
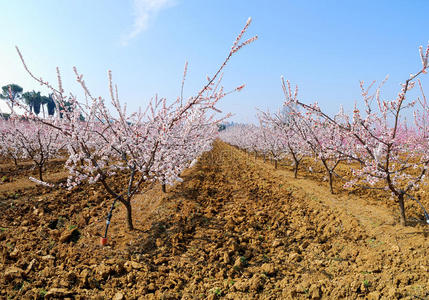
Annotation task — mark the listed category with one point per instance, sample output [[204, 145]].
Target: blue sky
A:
[[325, 47]]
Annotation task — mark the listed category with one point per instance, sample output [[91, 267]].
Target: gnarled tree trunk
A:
[[402, 209]]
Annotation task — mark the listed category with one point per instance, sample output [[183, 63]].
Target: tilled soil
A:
[[236, 228]]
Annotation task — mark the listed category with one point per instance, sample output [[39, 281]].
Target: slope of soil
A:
[[234, 229]]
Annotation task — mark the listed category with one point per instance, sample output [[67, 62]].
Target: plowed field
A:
[[235, 228]]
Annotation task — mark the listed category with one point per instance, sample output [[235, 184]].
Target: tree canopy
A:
[[11, 91]]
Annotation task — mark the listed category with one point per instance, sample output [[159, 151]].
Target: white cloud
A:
[[144, 10]]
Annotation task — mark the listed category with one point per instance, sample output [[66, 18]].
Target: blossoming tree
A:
[[35, 141], [377, 139], [150, 145]]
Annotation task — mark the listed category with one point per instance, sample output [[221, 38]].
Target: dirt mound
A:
[[235, 229]]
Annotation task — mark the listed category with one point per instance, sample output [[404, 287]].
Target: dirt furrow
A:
[[235, 228]]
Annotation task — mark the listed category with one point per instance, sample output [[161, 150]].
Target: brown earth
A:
[[236, 228]]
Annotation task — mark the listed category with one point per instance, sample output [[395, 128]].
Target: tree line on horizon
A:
[[35, 101]]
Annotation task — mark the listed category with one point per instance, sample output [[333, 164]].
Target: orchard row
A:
[[383, 148]]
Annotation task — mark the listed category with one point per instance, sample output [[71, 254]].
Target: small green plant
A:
[[14, 195], [314, 198], [231, 282], [370, 241], [374, 243], [366, 284], [217, 291], [42, 292], [51, 244], [3, 229], [71, 227]]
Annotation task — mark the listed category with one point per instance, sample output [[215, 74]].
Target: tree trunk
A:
[[125, 202], [129, 215], [164, 188], [16, 162], [402, 209], [40, 173], [329, 172], [295, 171], [275, 164], [330, 182]]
